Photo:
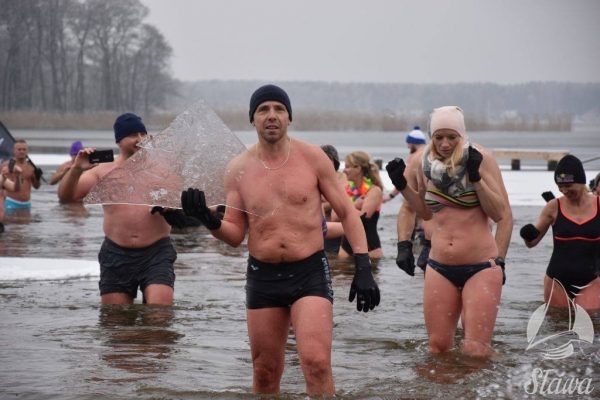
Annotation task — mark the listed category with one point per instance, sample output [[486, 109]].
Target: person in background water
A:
[[137, 250], [287, 279], [414, 234], [575, 221], [460, 186], [10, 185], [365, 189], [416, 142], [595, 185], [62, 170], [334, 230], [30, 177]]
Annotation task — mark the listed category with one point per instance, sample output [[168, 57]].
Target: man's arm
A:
[[10, 185], [80, 178], [60, 173]]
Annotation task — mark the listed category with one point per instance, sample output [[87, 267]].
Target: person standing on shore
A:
[[137, 250], [460, 186], [287, 281], [62, 170]]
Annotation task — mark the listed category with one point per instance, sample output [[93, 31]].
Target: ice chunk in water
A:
[[194, 151]]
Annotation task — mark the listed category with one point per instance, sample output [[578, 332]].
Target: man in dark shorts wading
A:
[[288, 278], [137, 250]]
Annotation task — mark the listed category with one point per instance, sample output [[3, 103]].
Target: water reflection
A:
[[73, 212], [137, 338]]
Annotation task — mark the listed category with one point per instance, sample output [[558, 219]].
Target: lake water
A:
[[57, 342]]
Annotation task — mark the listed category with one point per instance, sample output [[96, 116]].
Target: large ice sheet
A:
[[194, 151]]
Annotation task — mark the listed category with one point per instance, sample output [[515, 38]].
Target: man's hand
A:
[[405, 260], [193, 203], [473, 163], [395, 170], [173, 217], [529, 232], [363, 286], [548, 196]]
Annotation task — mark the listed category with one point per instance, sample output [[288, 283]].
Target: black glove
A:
[[364, 285], [395, 170], [424, 256], [194, 205], [529, 232], [473, 163], [405, 260], [548, 196], [174, 218], [38, 173]]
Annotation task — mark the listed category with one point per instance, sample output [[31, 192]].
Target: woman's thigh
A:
[[480, 300], [441, 305]]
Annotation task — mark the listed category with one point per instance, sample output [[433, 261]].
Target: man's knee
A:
[[266, 376], [316, 365]]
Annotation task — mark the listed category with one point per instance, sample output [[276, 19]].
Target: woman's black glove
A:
[[174, 218], [473, 163], [529, 232], [193, 203], [405, 260], [395, 170], [548, 196], [363, 285]]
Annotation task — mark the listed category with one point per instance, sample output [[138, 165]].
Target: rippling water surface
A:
[[57, 342]]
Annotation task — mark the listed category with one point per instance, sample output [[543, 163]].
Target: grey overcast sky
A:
[[406, 41]]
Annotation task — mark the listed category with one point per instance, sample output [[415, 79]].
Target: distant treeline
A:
[[79, 63], [81, 55], [304, 119]]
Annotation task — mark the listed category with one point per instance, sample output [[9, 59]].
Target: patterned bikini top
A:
[[436, 199], [454, 191]]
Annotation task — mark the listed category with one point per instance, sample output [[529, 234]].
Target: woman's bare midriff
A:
[[462, 237]]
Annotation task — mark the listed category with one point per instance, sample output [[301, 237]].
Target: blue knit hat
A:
[[416, 137], [269, 93], [127, 124]]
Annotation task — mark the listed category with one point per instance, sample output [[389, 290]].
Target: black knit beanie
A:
[[569, 170], [269, 93], [126, 124]]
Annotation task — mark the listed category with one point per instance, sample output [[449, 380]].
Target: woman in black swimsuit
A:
[[575, 221]]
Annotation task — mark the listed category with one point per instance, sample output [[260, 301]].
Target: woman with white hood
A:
[[459, 186]]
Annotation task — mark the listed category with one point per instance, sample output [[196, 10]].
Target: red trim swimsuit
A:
[[574, 261]]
